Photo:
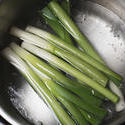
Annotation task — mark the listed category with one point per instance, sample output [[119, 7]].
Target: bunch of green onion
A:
[[45, 60]]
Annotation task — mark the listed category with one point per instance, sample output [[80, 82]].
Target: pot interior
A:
[[105, 30]]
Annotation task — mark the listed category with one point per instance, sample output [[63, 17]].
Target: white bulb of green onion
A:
[[121, 104]]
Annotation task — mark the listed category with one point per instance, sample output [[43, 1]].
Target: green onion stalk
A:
[[59, 91], [74, 111], [70, 26], [56, 40], [83, 66], [73, 30], [65, 4], [72, 87], [38, 86], [91, 118], [59, 63], [80, 90], [54, 23], [76, 114], [33, 39], [69, 69]]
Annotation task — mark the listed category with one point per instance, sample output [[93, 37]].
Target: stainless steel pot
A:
[[103, 22]]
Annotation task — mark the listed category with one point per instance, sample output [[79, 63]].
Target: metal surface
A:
[[117, 6], [11, 11], [20, 105]]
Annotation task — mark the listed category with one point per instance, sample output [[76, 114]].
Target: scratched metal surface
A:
[[104, 29]]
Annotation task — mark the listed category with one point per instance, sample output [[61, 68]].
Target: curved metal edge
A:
[[117, 6], [13, 120]]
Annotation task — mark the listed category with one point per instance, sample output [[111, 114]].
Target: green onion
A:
[[90, 118], [71, 70], [55, 24], [73, 30], [39, 42], [59, 91], [74, 111], [120, 106], [70, 48], [83, 66], [76, 114], [38, 86], [73, 86], [65, 4], [69, 84]]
